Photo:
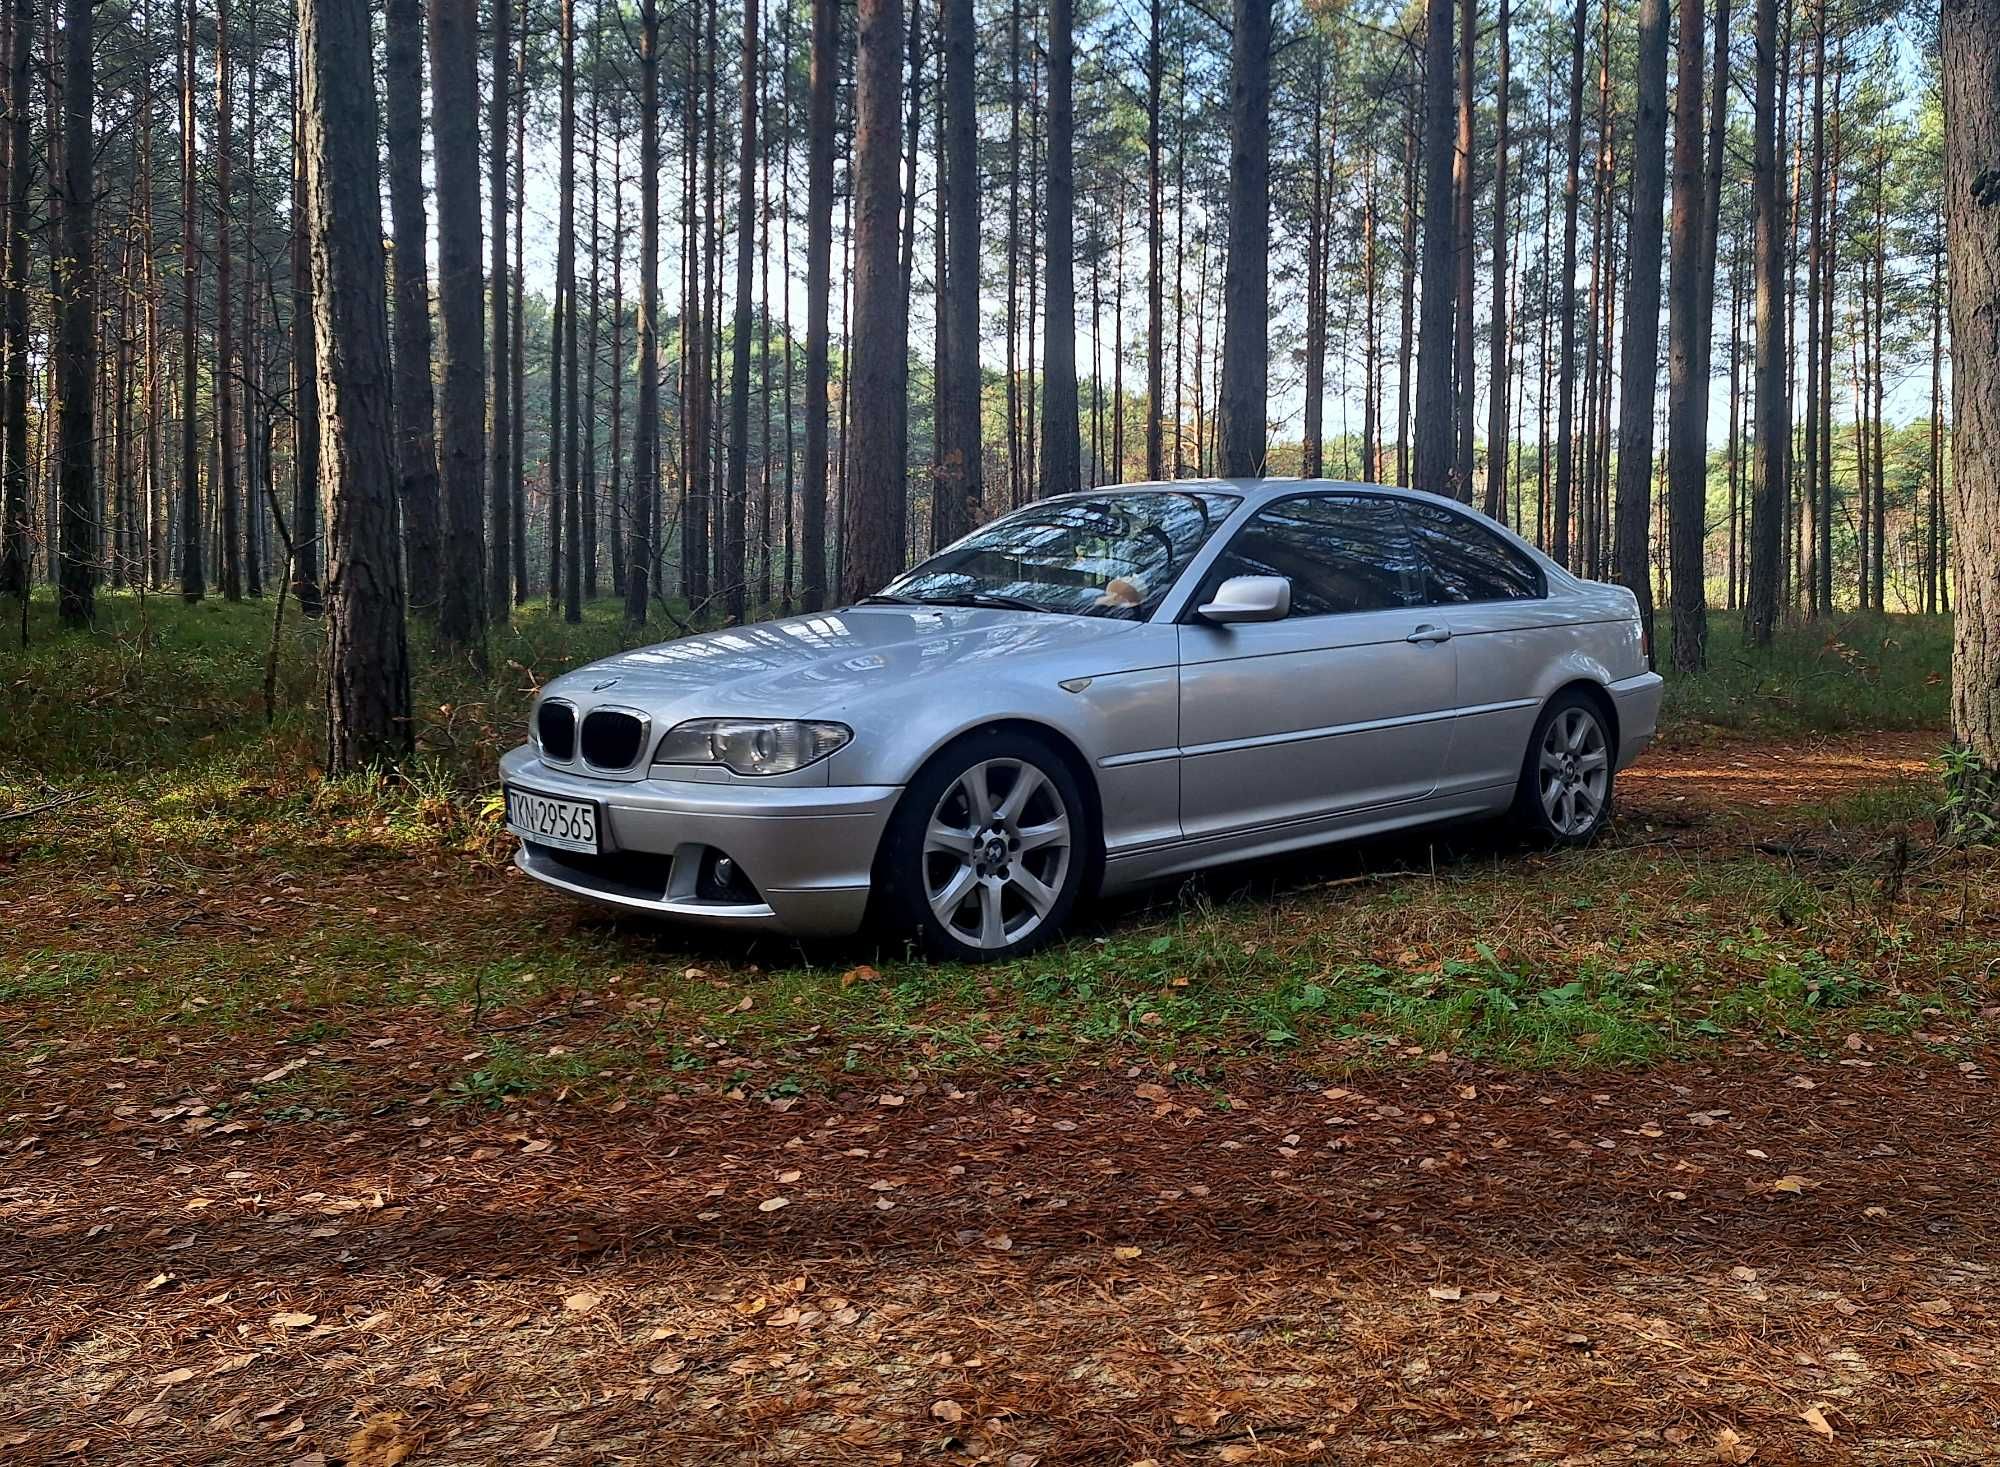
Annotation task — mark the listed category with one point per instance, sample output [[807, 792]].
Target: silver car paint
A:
[[1203, 744]]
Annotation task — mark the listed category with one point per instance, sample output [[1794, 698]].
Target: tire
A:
[[977, 885], [1565, 793]]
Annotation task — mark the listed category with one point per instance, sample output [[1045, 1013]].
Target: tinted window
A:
[[1341, 553], [1468, 562]]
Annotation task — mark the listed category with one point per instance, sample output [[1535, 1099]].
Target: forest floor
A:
[[326, 1138]]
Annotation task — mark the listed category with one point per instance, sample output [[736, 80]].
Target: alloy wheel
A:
[[1574, 775], [996, 853]]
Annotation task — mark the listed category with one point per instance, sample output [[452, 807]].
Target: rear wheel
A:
[[987, 852], [1565, 791]]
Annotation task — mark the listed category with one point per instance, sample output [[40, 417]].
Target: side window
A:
[[1465, 561], [1340, 552]]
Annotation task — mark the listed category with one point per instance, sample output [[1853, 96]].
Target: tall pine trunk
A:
[[1061, 469], [1496, 389], [499, 504], [367, 659], [872, 507], [733, 586], [646, 408], [1431, 470], [454, 42], [1772, 431], [1641, 350], [1971, 52], [75, 325], [823, 78], [1246, 286], [961, 486], [415, 410], [15, 532]]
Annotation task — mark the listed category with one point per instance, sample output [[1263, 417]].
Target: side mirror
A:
[[1248, 598]]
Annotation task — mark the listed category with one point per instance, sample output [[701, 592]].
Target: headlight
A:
[[751, 745]]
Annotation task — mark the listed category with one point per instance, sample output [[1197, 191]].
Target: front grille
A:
[[612, 739], [555, 727]]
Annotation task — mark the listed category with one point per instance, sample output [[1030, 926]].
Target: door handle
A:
[[1429, 632]]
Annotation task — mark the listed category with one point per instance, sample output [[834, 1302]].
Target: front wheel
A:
[[1565, 792], [987, 852]]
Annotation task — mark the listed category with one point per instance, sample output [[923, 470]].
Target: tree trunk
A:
[[1061, 470], [1496, 389], [415, 412], [454, 41], [1464, 255], [307, 540], [193, 564], [499, 504], [961, 476], [1971, 52], [224, 386], [75, 325], [739, 367], [16, 531], [1312, 451], [873, 498], [566, 491], [646, 409], [1246, 305], [1642, 313], [823, 80], [1690, 326], [1772, 433], [1155, 252], [1432, 468], [1560, 515], [367, 661]]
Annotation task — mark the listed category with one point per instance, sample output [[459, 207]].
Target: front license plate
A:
[[550, 821]]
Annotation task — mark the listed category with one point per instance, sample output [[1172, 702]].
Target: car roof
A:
[[1259, 489]]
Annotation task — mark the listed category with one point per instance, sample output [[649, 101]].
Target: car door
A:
[[1344, 705], [1494, 599]]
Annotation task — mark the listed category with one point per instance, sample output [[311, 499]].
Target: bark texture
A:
[[368, 668]]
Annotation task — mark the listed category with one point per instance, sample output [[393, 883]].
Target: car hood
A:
[[807, 666]]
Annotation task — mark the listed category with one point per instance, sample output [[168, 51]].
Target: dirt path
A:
[[1431, 1262]]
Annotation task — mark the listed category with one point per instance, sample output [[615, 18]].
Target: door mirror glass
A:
[[1249, 598]]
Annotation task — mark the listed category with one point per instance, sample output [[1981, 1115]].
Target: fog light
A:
[[725, 872]]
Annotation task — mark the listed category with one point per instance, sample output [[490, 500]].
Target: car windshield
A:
[[1112, 555]]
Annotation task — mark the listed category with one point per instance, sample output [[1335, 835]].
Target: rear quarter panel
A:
[[1513, 656]]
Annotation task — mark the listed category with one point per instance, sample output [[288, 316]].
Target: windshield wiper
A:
[[987, 599], [984, 599]]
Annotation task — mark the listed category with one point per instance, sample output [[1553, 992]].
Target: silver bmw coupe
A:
[[1091, 692]]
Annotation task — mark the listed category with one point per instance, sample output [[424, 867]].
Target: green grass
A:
[[1619, 955], [1859, 670]]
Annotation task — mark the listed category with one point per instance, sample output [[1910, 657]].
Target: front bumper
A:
[[807, 850]]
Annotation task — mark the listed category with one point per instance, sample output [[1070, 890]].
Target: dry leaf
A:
[[1128, 1253], [1794, 1184], [1448, 1293], [1814, 1417], [772, 1204], [582, 1302], [668, 1364], [1729, 1447], [862, 974], [383, 1441], [291, 1320], [948, 1411], [1239, 1452]]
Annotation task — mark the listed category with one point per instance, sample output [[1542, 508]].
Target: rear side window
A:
[[1340, 552], [1465, 561]]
